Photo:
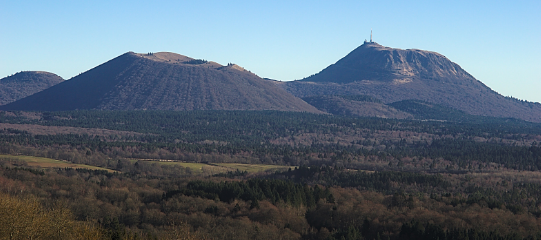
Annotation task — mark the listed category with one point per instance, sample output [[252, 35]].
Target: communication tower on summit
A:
[[366, 42]]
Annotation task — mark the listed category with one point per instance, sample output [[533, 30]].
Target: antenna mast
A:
[[370, 34]]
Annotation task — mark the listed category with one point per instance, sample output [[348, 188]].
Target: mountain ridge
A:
[[157, 81]]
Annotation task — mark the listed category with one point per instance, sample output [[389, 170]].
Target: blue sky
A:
[[498, 42]]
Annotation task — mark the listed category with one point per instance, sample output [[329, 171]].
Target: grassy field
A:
[[49, 163], [252, 168], [214, 168], [198, 168]]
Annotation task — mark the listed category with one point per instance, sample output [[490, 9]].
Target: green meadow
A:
[[214, 168], [48, 162]]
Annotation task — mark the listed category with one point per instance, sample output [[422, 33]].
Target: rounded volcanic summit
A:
[[26, 83], [163, 81], [393, 75], [374, 62]]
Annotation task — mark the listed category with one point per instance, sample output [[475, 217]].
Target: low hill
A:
[[393, 75], [163, 81], [429, 111], [23, 84], [357, 106]]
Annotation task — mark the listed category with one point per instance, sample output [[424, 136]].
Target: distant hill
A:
[[358, 106], [430, 111], [23, 84], [163, 81], [367, 106], [393, 75]]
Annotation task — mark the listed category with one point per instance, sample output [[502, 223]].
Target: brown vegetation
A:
[[120, 207], [52, 130], [355, 178], [26, 218]]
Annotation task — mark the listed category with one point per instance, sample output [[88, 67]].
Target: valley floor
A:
[[202, 175]]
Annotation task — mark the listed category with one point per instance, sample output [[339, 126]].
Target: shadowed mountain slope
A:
[[23, 84], [163, 81], [394, 75]]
